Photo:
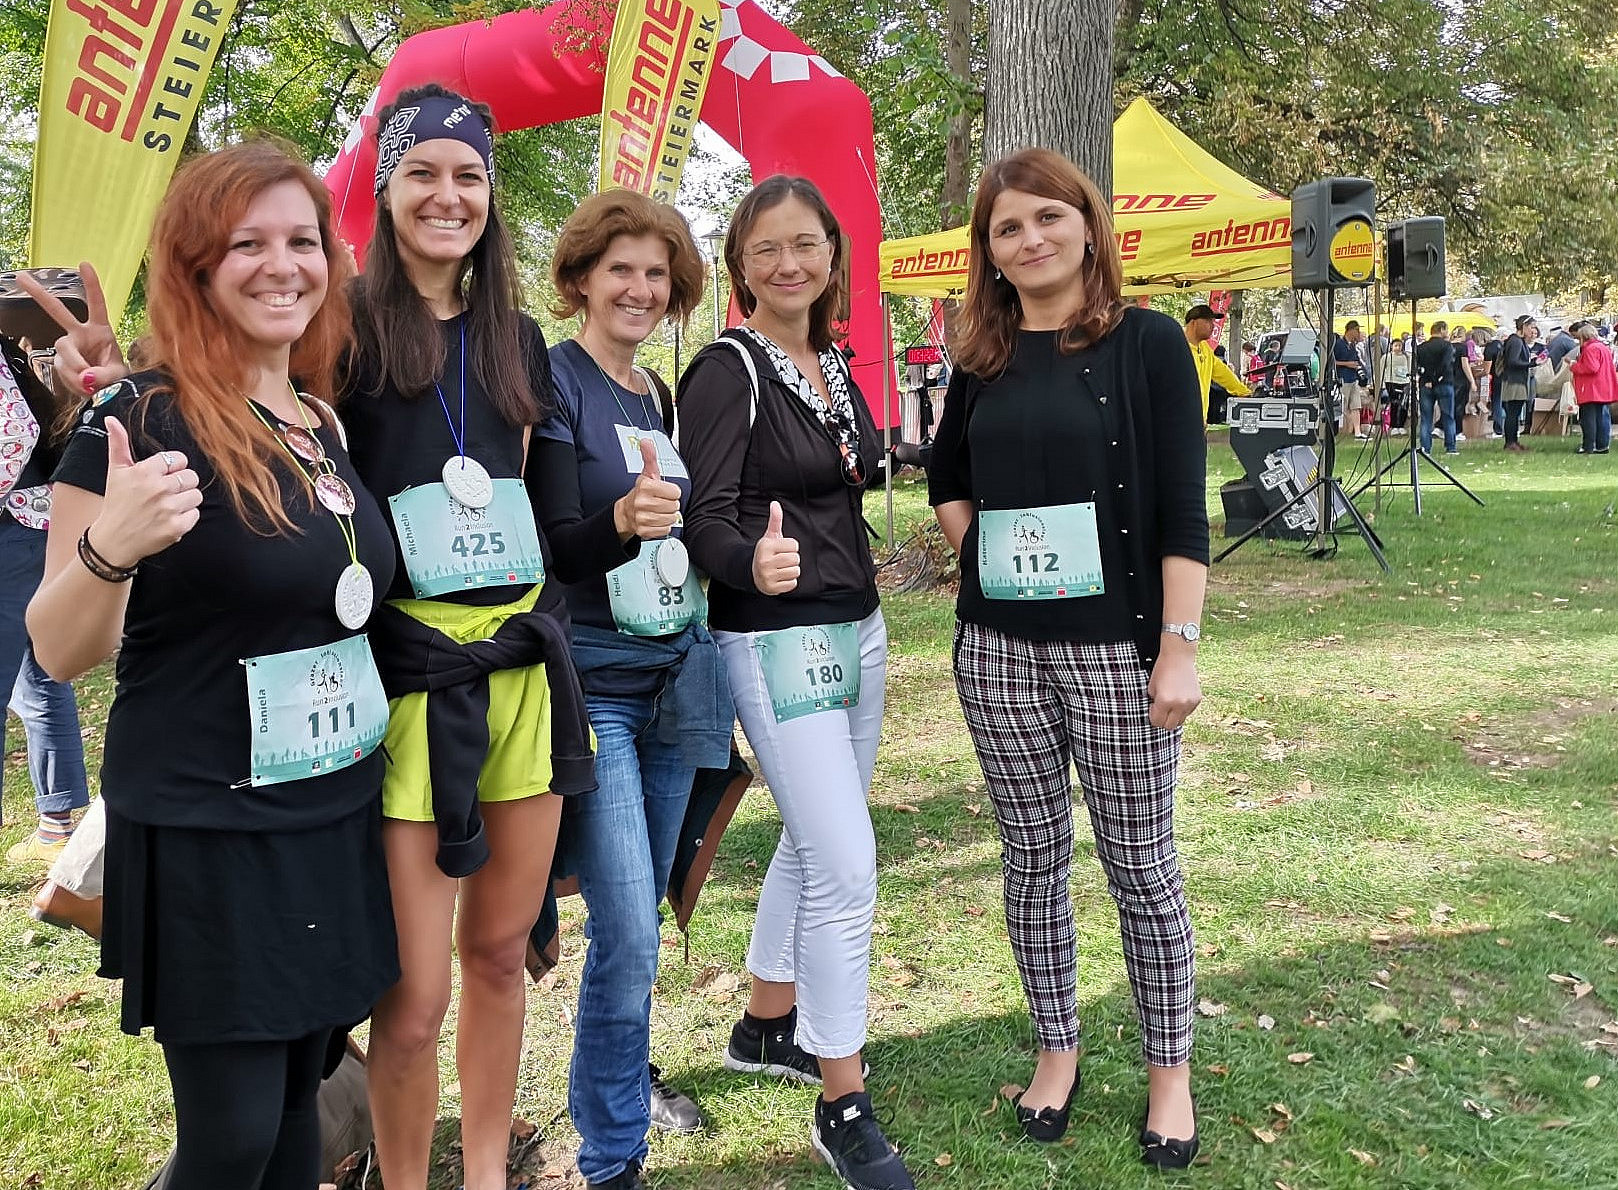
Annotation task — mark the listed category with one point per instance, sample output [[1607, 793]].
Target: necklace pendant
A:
[[303, 444], [354, 594], [334, 494], [468, 481]]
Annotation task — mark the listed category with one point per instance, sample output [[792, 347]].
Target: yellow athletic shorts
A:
[[518, 764]]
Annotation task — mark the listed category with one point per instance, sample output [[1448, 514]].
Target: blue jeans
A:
[[49, 714], [1595, 420], [621, 840], [1443, 395]]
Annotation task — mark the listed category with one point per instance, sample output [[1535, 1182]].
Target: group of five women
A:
[[493, 566]]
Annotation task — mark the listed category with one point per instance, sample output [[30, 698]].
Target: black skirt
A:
[[247, 936]]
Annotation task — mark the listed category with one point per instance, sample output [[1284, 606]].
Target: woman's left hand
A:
[[1174, 690]]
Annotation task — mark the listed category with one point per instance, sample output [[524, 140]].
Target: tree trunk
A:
[[1050, 81], [958, 148]]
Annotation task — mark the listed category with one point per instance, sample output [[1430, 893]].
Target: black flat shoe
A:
[[1048, 1124], [1168, 1152]]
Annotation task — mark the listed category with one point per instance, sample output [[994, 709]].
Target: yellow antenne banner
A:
[[657, 72], [121, 84]]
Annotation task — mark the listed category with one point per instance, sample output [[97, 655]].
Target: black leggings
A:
[[245, 1114]]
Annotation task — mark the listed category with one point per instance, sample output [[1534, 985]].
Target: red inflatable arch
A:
[[771, 97]]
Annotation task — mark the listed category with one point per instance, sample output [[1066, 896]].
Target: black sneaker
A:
[[769, 1047], [627, 1178], [847, 1136], [673, 1111]]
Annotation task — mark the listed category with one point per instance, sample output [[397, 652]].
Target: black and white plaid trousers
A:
[[1033, 707]]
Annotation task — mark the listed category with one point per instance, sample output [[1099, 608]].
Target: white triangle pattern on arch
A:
[[746, 54]]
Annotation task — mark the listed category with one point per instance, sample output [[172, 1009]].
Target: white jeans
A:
[[814, 913]]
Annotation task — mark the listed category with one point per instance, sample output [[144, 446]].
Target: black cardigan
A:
[[1144, 381], [738, 466]]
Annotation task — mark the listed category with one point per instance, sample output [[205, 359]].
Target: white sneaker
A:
[[1460, 437], [1491, 434]]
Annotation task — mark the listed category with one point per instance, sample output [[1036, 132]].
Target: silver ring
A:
[[179, 484], [168, 460]]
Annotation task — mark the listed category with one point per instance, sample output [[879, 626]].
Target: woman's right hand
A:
[[651, 508], [147, 506], [775, 558], [87, 355]]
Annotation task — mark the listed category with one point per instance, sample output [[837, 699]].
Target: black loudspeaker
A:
[[1416, 259], [1333, 240]]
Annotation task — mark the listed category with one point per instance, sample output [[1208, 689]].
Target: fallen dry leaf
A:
[[1480, 1110], [1592, 1082], [1282, 1110], [943, 1159], [906, 808], [973, 910], [1439, 914], [974, 809], [1406, 1065], [1302, 1057], [1582, 989], [1011, 1090], [1209, 1008], [1266, 1022], [1362, 1156], [1561, 917], [1264, 1136], [1550, 1124], [1221, 1069]]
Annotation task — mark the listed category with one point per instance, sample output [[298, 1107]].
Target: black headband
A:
[[434, 117]]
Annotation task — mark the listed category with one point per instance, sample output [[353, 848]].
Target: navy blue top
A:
[[589, 407]]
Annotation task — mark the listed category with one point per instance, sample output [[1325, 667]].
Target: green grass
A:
[[1392, 786]]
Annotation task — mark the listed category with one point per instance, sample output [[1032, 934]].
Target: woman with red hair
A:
[[207, 523], [1068, 474]]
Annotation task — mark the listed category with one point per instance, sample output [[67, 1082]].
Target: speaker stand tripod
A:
[[1325, 488], [1416, 452]]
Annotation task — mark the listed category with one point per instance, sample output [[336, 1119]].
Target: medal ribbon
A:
[[459, 435]]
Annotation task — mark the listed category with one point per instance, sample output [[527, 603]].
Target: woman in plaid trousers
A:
[[1068, 472]]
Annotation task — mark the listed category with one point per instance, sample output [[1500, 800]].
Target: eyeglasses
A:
[[839, 428], [805, 250]]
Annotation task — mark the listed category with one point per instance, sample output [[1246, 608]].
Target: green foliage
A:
[[1500, 116]]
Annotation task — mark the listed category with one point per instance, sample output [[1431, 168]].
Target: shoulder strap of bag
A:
[[752, 375]]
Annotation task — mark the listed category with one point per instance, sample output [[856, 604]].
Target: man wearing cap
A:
[[1199, 329], [1353, 378]]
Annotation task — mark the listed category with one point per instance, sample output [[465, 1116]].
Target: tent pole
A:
[[887, 411]]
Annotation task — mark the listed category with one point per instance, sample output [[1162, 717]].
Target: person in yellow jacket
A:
[[1199, 328]]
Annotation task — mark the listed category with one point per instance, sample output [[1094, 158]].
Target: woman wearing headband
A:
[[781, 446], [206, 516], [1067, 473], [488, 722], [611, 486]]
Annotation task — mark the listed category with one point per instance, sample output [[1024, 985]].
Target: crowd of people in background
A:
[[1442, 381]]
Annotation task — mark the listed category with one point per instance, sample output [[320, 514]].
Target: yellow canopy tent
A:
[[1184, 220], [1398, 321]]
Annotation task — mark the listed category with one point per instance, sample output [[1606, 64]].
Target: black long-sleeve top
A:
[[1435, 359], [1120, 423], [738, 467]]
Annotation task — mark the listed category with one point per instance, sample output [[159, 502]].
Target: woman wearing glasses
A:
[[777, 473]]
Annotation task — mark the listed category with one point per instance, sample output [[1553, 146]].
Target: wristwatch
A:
[[1190, 632]]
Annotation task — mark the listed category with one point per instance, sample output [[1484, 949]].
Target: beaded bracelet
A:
[[99, 566]]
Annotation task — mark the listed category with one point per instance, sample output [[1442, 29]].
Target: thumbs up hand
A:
[[650, 508], [775, 557], [147, 506]]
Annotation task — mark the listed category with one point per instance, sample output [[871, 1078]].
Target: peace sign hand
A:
[[87, 355]]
